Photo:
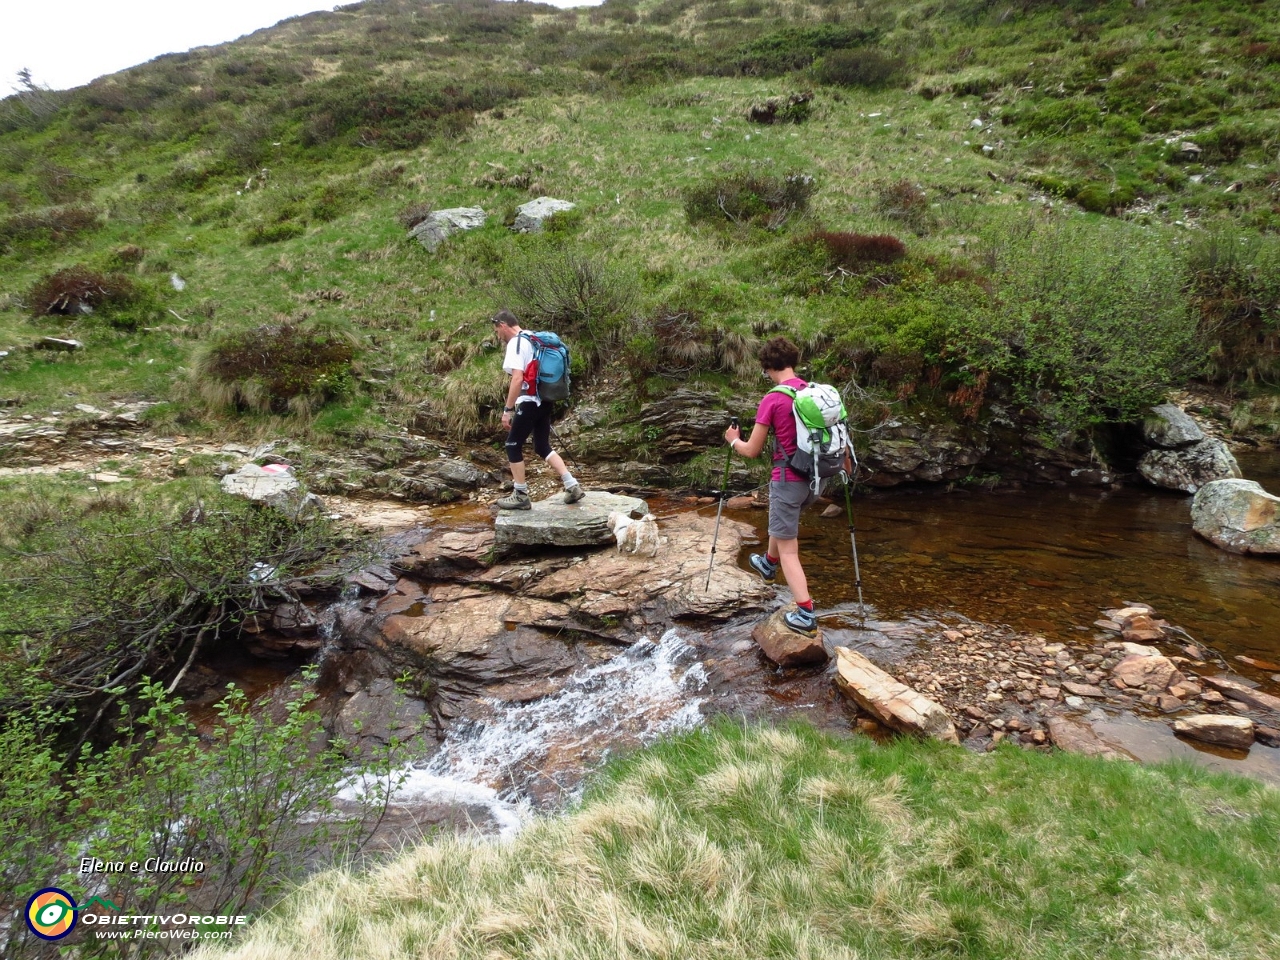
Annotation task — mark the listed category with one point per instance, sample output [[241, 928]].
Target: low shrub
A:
[[749, 198], [277, 368], [794, 109], [51, 227], [573, 293], [263, 233], [791, 48], [905, 202], [867, 67], [414, 214], [79, 291], [1235, 286], [855, 251]]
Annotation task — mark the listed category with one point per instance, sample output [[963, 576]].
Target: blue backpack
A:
[[547, 374]]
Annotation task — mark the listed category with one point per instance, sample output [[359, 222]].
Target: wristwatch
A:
[[508, 409]]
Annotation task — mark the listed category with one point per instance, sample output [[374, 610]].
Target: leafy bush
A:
[[1090, 321], [1235, 284], [276, 368], [79, 291], [37, 230], [858, 68], [749, 198], [583, 296]]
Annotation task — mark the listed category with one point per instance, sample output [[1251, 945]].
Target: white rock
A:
[[1237, 515], [530, 216], [442, 224]]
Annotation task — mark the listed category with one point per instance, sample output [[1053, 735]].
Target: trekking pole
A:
[[564, 446], [853, 542], [733, 422]]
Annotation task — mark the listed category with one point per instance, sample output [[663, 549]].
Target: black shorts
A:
[[530, 420]]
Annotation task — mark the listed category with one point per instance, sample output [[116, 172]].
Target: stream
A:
[[1041, 560]]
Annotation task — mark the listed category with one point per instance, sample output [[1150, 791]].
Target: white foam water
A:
[[521, 749]]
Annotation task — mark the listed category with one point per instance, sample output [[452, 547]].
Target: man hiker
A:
[[789, 492], [525, 414]]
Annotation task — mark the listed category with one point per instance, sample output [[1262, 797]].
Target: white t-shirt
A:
[[519, 355]]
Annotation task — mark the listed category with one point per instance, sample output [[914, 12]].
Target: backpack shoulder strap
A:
[[783, 388]]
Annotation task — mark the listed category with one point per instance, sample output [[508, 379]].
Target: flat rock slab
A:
[[1238, 516], [1245, 694], [784, 646], [890, 700], [1156, 673], [1234, 732], [1076, 736], [554, 523]]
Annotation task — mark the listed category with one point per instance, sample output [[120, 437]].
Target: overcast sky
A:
[[67, 43]]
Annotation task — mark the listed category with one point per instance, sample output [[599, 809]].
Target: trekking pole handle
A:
[[733, 422]]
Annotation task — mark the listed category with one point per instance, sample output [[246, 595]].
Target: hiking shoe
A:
[[574, 493], [519, 500], [801, 621], [761, 565]]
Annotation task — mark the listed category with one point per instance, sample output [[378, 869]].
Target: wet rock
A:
[[378, 716], [1139, 671], [442, 224], [834, 510], [1077, 736], [552, 522], [530, 216], [1169, 427], [740, 503], [1258, 664], [784, 646], [1245, 694], [1238, 516], [1267, 736], [1234, 732], [1083, 689], [293, 619], [889, 700], [449, 555], [1189, 468], [1139, 629], [278, 490]]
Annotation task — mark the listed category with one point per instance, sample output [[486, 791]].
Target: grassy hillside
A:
[[785, 843], [1052, 242]]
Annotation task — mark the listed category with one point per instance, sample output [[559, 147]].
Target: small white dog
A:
[[636, 536]]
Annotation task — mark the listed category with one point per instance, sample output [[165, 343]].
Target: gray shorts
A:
[[786, 500]]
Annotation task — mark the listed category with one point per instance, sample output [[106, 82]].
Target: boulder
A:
[[889, 700], [1169, 427], [1245, 694], [529, 216], [1238, 516], [552, 522], [1077, 736], [442, 224], [1139, 629], [784, 646], [279, 490], [1189, 468], [1158, 673], [1234, 732]]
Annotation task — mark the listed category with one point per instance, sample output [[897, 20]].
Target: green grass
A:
[[1077, 99], [758, 842]]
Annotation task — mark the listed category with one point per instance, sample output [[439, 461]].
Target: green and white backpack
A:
[[822, 431]]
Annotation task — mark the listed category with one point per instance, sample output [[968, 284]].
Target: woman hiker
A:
[[789, 492], [524, 415]]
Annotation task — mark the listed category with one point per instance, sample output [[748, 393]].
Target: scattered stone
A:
[[1259, 664], [1169, 703], [975, 713], [889, 700], [1245, 694], [530, 216], [1267, 736], [1238, 516], [1212, 696], [740, 503], [1234, 732], [1109, 625], [1139, 650], [1073, 701], [1141, 671], [1077, 736], [1185, 690], [1083, 689], [1189, 152], [57, 343], [442, 224], [741, 647], [1142, 628], [784, 646], [1049, 693], [832, 511]]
